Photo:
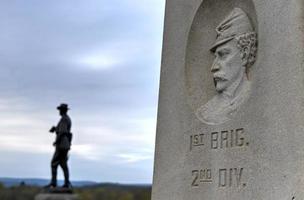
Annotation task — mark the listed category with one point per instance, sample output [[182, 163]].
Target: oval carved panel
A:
[[221, 50]]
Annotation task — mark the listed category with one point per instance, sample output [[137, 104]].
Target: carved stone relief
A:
[[234, 52]]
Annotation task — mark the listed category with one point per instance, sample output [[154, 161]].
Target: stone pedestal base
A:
[[57, 193], [56, 197]]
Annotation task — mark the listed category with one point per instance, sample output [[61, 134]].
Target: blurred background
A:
[[102, 57]]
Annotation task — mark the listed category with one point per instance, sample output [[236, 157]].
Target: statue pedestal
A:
[[57, 194], [53, 196]]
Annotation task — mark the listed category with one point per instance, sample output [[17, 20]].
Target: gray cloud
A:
[[103, 58]]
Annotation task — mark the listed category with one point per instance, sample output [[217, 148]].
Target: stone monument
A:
[[231, 103]]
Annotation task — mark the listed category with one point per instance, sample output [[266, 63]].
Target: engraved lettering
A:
[[205, 175], [201, 176], [222, 177], [214, 140], [231, 177], [227, 177], [224, 139], [228, 139], [196, 140], [209, 174], [231, 138], [240, 137], [195, 174], [238, 174], [234, 138]]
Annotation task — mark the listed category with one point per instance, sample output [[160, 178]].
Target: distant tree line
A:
[[114, 192], [21, 192]]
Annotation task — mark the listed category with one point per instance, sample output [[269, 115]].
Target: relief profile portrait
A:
[[234, 53]]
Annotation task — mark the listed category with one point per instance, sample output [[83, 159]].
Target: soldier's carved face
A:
[[227, 68]]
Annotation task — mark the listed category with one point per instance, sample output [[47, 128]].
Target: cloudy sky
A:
[[102, 57]]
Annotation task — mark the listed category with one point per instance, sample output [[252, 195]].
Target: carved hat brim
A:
[[220, 42]]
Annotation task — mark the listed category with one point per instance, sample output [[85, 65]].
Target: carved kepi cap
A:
[[63, 106], [236, 23]]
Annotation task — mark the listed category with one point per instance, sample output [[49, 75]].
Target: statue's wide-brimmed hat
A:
[[63, 106], [235, 24]]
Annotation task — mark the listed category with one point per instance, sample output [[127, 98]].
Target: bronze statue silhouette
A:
[[62, 146]]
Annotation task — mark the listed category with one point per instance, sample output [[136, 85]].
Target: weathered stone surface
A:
[[58, 190], [57, 193], [56, 197], [215, 141]]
